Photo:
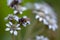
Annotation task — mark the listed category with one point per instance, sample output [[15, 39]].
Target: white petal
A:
[[45, 21], [15, 11], [11, 31], [50, 26], [37, 16], [18, 28], [24, 16], [7, 29], [8, 25], [17, 25], [24, 25], [28, 22], [40, 19], [15, 33], [16, 18], [54, 27]]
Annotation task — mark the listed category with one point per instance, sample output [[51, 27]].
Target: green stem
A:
[[13, 37]]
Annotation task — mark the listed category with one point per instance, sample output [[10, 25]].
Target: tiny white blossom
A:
[[20, 8], [41, 38], [13, 28], [9, 17]]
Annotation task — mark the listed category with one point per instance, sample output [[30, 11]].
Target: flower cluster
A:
[[14, 21], [44, 13], [41, 38], [16, 5], [12, 28]]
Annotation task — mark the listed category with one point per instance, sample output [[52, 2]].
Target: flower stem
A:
[[13, 37]]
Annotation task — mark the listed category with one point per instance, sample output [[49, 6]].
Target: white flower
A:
[[9, 17], [12, 17], [12, 28], [41, 38], [46, 14], [10, 1], [20, 9]]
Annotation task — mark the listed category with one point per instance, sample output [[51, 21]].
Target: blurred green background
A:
[[36, 28]]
